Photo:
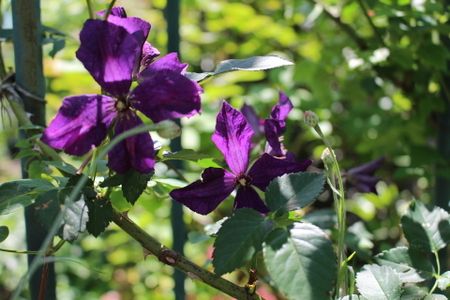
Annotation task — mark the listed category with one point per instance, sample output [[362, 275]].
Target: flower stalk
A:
[[334, 178]]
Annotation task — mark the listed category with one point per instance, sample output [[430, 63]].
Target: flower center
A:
[[122, 104], [244, 180]]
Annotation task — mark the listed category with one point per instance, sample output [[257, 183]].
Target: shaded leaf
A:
[[21, 192], [239, 237], [413, 292], [134, 184], [426, 229], [100, 214], [412, 267], [185, 154], [4, 232], [323, 218], [302, 263], [379, 282], [293, 191]]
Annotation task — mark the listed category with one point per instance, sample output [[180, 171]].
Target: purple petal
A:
[[281, 110], [110, 54], [167, 95], [253, 119], [367, 168], [203, 196], [169, 62], [135, 152], [149, 53], [233, 138], [117, 11], [248, 197], [268, 167], [81, 122], [273, 133]]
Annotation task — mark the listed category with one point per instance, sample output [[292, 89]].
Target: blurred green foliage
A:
[[376, 86]]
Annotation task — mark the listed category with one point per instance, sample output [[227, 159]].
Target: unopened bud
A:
[[310, 118], [168, 129], [327, 157]]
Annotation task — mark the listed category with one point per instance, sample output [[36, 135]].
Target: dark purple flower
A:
[[113, 51], [233, 138], [362, 177], [272, 127]]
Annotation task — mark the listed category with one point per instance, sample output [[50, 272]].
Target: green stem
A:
[[19, 251], [438, 273], [339, 202], [108, 10], [178, 261], [90, 10]]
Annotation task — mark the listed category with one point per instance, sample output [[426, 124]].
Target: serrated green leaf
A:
[[413, 292], [115, 180], [302, 263], [443, 281], [4, 232], [75, 217], [255, 63], [21, 192], [412, 267], [294, 191], [379, 282], [134, 184], [426, 229], [100, 214], [239, 237]]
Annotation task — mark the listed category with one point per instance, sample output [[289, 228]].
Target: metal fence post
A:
[[27, 37], [172, 15]]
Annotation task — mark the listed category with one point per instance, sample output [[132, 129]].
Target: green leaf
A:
[[301, 262], [134, 184], [411, 266], [351, 297], [4, 232], [185, 154], [379, 282], [100, 215], [443, 281], [21, 192], [212, 229], [114, 180], [239, 237], [255, 63], [323, 218], [435, 297], [47, 207], [75, 218], [413, 292], [293, 191], [426, 229], [65, 168]]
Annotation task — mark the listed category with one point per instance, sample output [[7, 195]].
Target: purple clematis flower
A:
[[114, 51], [362, 177], [233, 137], [272, 127]]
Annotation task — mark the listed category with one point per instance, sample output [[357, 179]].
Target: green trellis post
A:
[[172, 15], [27, 39]]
